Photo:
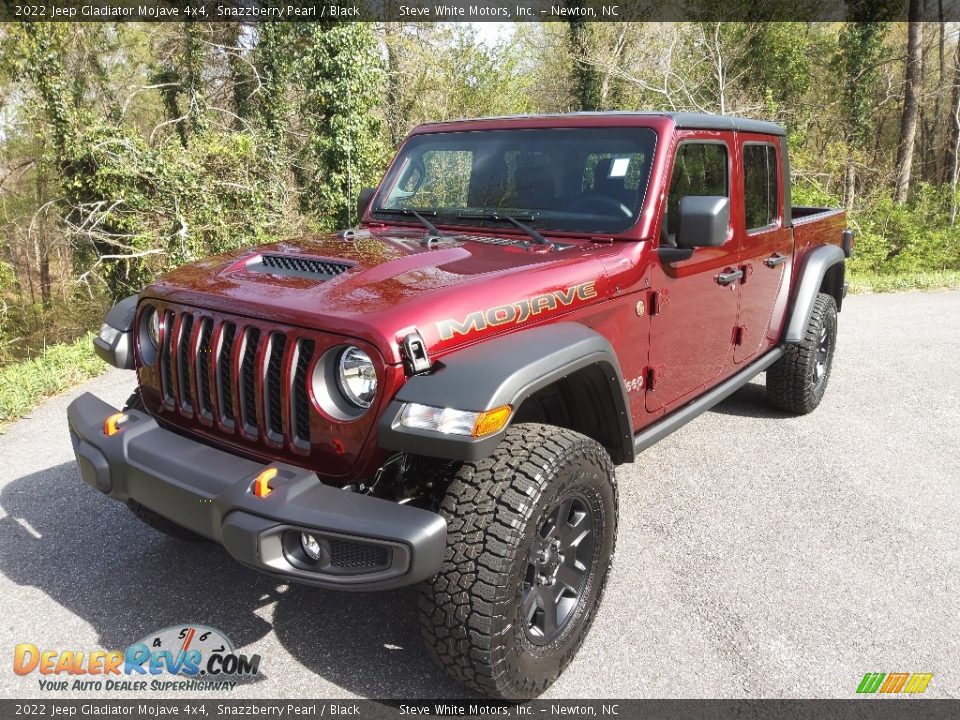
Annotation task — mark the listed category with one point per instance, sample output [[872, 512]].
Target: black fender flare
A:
[[504, 371], [809, 281], [114, 344]]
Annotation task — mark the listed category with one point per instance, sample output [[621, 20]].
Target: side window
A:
[[699, 169], [760, 185]]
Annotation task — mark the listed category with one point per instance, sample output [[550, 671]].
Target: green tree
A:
[[343, 81], [587, 82]]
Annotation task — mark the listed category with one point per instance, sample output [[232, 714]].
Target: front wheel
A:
[[530, 538]]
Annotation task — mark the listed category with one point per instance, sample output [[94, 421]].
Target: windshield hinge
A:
[[351, 234], [414, 352], [600, 240], [658, 298]]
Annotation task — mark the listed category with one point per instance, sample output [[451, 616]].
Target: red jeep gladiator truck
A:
[[440, 395]]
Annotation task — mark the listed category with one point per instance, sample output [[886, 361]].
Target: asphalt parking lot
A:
[[759, 555]]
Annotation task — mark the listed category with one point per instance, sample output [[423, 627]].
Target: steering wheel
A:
[[592, 198]]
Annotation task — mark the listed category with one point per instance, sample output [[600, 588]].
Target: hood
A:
[[383, 284]]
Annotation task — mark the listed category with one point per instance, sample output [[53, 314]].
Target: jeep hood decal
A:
[[380, 285]]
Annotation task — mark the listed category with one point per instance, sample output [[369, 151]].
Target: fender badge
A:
[[516, 312], [641, 308]]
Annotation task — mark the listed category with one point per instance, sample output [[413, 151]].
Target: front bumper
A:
[[367, 543]]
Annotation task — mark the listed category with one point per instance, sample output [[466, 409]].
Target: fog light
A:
[[310, 546]]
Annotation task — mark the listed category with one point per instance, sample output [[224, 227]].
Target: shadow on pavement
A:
[[750, 401], [94, 558]]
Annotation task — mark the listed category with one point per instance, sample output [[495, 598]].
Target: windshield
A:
[[574, 180]]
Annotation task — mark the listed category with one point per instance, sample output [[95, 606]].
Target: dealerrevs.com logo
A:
[[180, 658]]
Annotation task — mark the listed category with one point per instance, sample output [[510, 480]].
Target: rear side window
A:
[[760, 185], [699, 169]]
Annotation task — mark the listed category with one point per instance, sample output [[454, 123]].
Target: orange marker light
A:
[[261, 486], [111, 426], [491, 421]]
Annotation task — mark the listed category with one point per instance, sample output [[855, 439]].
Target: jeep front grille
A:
[[202, 369], [301, 400], [234, 375]]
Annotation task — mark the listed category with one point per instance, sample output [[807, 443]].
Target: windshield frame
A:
[[446, 220]]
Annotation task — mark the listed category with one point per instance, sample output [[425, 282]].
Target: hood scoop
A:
[[297, 266]]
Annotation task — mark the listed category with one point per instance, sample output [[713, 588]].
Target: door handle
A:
[[774, 260], [729, 276]]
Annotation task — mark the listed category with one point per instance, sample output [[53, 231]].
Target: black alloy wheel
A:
[[559, 563]]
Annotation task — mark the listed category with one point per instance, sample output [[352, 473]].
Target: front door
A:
[[765, 247], [694, 309]]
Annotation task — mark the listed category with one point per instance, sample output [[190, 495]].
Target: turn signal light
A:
[[261, 486], [111, 426], [451, 421], [491, 421]]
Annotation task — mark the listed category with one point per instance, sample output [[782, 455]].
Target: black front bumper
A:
[[367, 543]]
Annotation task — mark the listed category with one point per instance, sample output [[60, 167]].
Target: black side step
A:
[[680, 417]]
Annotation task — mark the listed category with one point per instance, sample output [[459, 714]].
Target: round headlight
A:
[[357, 377], [153, 326]]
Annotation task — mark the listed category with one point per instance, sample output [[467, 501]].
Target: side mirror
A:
[[363, 199], [703, 221]]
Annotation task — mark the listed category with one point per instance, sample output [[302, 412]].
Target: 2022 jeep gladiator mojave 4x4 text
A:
[[440, 395]]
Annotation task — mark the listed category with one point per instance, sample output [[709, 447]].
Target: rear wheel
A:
[[530, 539], [148, 516], [797, 381]]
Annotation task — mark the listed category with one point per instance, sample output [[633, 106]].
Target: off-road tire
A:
[[157, 522], [471, 612], [797, 381]]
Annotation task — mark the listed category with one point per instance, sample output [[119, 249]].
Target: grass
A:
[[23, 385], [899, 282]]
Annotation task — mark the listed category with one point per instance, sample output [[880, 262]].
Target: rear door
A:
[[692, 314], [765, 245]]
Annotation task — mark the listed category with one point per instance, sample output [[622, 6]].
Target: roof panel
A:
[[685, 120]]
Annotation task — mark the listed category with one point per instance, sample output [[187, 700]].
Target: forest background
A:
[[127, 149]]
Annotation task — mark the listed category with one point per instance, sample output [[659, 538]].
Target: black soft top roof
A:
[[686, 120], [724, 122]]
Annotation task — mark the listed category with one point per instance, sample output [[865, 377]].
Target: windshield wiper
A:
[[537, 237], [418, 214]]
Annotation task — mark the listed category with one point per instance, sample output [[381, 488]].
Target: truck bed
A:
[[804, 213], [814, 226]]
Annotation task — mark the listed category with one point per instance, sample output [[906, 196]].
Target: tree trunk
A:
[[849, 184], [587, 86], [911, 102], [41, 246], [396, 128], [955, 142], [935, 166], [952, 135]]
